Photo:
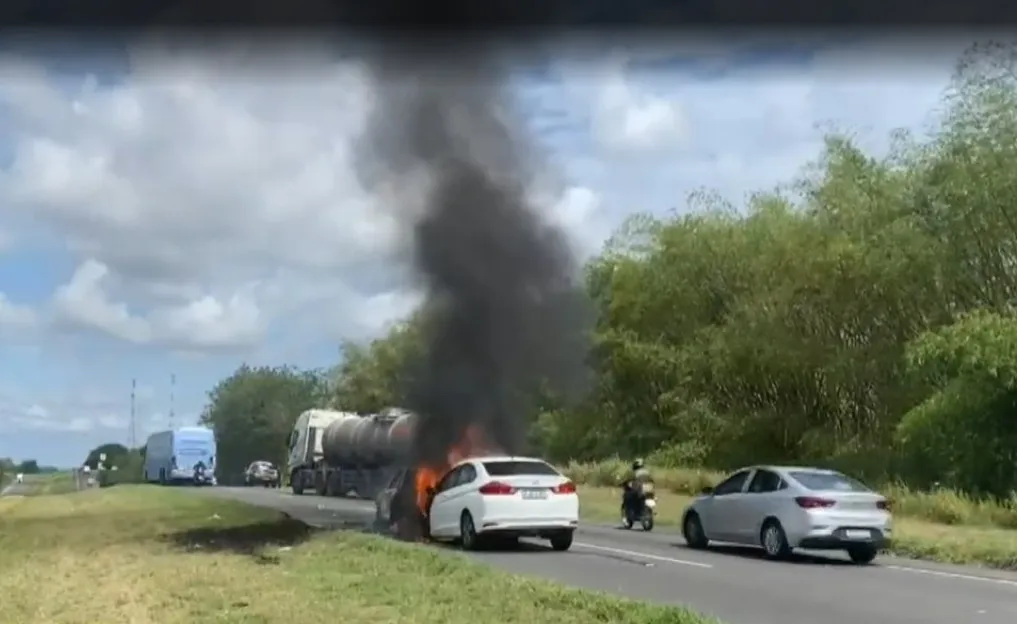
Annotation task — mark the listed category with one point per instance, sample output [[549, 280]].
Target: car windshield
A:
[[516, 468], [827, 481]]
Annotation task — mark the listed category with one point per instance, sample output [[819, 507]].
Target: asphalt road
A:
[[734, 584], [16, 489]]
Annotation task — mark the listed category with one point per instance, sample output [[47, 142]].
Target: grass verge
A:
[[916, 538], [53, 483], [142, 555]]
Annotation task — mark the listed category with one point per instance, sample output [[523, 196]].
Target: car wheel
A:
[[862, 554], [562, 541], [692, 531], [468, 532], [773, 540]]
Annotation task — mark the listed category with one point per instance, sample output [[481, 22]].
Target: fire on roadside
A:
[[472, 444]]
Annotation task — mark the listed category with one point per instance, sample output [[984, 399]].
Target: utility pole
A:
[[173, 385], [133, 440]]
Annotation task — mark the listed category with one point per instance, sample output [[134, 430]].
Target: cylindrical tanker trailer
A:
[[356, 454], [375, 440]]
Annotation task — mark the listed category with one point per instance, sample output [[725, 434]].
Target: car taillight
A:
[[565, 488], [883, 504], [811, 502], [496, 488]]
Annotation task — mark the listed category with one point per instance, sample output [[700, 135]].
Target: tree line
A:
[[861, 316], [26, 466]]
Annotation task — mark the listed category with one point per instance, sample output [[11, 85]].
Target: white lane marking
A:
[[955, 575], [636, 553]]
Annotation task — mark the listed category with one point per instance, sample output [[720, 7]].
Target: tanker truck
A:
[[346, 454]]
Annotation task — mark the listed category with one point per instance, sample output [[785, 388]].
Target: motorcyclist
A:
[[635, 485], [199, 471]]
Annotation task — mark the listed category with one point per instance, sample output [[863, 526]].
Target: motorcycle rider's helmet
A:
[[639, 463]]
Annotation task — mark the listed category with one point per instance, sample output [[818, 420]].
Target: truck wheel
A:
[[319, 484], [297, 484]]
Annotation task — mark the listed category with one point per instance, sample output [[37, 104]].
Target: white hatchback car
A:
[[507, 497], [782, 508]]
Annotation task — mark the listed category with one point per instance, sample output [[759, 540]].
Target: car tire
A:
[[773, 540], [468, 537], [862, 554], [692, 531], [562, 541]]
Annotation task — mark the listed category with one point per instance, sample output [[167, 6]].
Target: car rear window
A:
[[515, 468], [827, 481]]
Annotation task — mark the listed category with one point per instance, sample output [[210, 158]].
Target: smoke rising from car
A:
[[505, 309]]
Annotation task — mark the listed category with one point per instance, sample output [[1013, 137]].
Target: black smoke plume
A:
[[504, 308]]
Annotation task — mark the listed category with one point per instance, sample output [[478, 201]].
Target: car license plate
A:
[[534, 494], [856, 534]]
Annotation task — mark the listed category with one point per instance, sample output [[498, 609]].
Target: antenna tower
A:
[[133, 439], [173, 386]]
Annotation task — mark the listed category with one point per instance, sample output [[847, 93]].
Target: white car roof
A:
[[501, 458], [774, 468]]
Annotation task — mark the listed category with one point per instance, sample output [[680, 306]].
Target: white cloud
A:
[[627, 118], [83, 302], [14, 316], [204, 322], [81, 409], [208, 195]]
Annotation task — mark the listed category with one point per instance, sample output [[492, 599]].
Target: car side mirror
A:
[[706, 491]]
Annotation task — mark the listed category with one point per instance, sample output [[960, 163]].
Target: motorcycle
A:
[[643, 509], [201, 476]]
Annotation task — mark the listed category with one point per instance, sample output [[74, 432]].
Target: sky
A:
[[168, 210]]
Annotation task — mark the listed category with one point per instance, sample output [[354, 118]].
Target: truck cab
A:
[[305, 453]]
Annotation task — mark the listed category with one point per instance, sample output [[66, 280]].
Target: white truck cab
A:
[[305, 446]]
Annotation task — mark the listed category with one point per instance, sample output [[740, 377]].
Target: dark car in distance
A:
[[261, 473]]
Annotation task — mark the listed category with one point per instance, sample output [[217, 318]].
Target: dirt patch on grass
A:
[[249, 539]]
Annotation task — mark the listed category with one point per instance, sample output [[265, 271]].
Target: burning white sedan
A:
[[504, 497]]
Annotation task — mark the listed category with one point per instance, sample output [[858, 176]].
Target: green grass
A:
[[147, 555], [52, 483], [941, 526]]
